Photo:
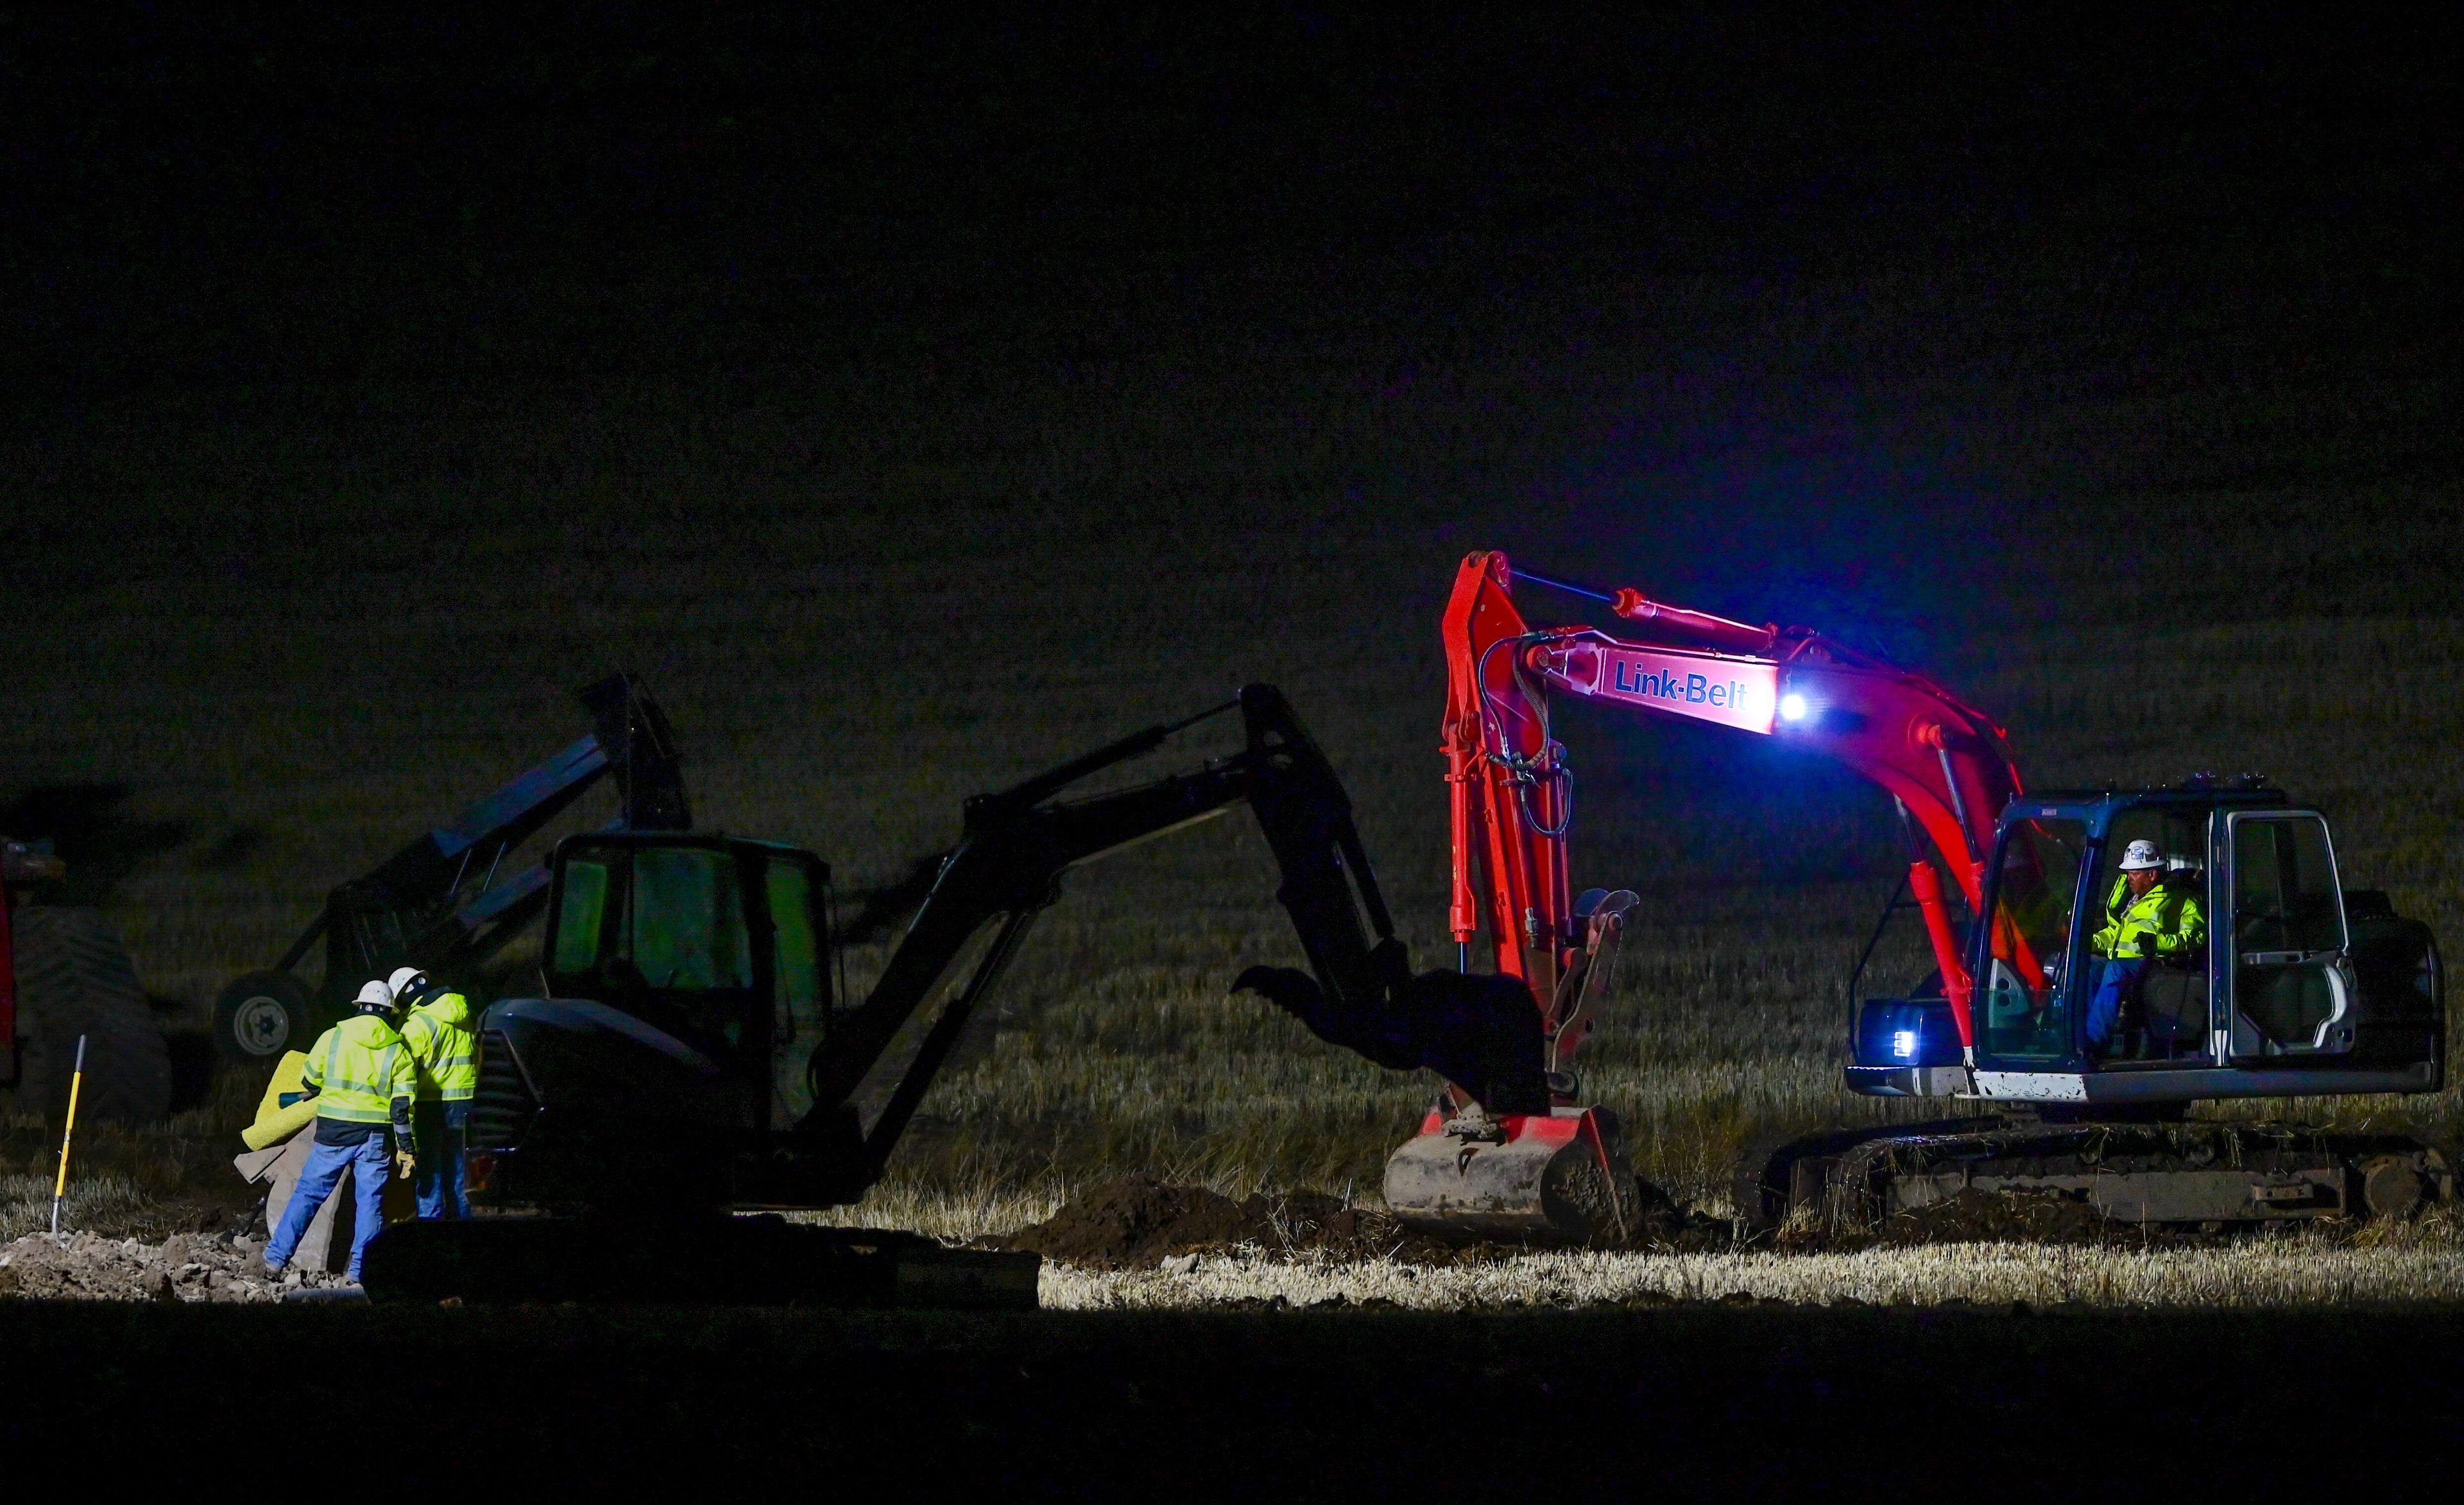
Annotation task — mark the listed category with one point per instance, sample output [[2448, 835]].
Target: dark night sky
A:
[[305, 195]]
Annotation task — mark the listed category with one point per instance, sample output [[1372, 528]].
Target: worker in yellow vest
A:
[[2148, 918], [359, 1075], [446, 1053]]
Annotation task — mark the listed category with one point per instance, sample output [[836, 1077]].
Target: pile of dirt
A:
[[185, 1266], [1139, 1220]]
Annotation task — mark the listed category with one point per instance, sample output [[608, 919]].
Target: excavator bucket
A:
[[1559, 1175]]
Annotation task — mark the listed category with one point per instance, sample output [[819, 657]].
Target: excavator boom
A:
[[1510, 797], [1016, 845], [1510, 786]]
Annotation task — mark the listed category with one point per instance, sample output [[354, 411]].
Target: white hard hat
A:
[[376, 995], [2140, 856], [401, 979]]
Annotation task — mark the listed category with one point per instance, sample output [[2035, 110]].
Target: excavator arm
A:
[[1511, 790], [1006, 868]]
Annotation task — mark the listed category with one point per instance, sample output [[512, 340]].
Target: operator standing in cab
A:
[[2146, 918], [359, 1074], [446, 1053]]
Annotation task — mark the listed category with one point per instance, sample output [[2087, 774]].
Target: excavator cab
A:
[[718, 941], [2286, 983], [678, 970]]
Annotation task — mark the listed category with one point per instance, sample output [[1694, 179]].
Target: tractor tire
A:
[[262, 1014], [74, 978]]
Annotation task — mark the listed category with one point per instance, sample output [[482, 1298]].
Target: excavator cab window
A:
[[2291, 982], [788, 887], [2164, 1014], [685, 926], [658, 929], [576, 948], [2027, 1008]]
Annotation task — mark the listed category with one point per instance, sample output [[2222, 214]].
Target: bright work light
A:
[[1903, 1042], [1791, 707]]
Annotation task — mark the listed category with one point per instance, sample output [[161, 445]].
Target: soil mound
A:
[[1139, 1220], [180, 1267]]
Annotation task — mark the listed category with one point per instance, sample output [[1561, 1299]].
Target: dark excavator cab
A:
[[718, 941], [2299, 988], [677, 969]]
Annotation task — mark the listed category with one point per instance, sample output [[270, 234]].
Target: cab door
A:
[[2292, 983]]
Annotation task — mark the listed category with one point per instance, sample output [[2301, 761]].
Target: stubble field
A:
[[300, 624]]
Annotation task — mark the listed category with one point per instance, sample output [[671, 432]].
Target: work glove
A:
[[405, 1164]]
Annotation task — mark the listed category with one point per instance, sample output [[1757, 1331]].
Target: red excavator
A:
[[2306, 988]]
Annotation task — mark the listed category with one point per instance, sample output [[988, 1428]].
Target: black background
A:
[[301, 193]]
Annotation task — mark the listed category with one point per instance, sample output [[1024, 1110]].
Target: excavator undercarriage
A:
[[2150, 1171]]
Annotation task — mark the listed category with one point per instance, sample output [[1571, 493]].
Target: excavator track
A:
[[2130, 1172]]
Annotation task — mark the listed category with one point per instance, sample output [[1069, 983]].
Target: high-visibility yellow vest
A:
[[359, 1068], [444, 1048], [2165, 922]]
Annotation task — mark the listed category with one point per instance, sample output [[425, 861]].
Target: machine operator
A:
[[2146, 919]]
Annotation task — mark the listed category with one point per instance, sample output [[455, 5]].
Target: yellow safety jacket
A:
[[2165, 922], [357, 1069], [443, 1049]]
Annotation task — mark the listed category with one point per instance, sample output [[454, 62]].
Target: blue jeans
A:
[[326, 1162], [2120, 978], [437, 1129]]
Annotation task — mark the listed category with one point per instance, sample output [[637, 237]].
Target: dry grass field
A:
[[301, 623], [914, 402]]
